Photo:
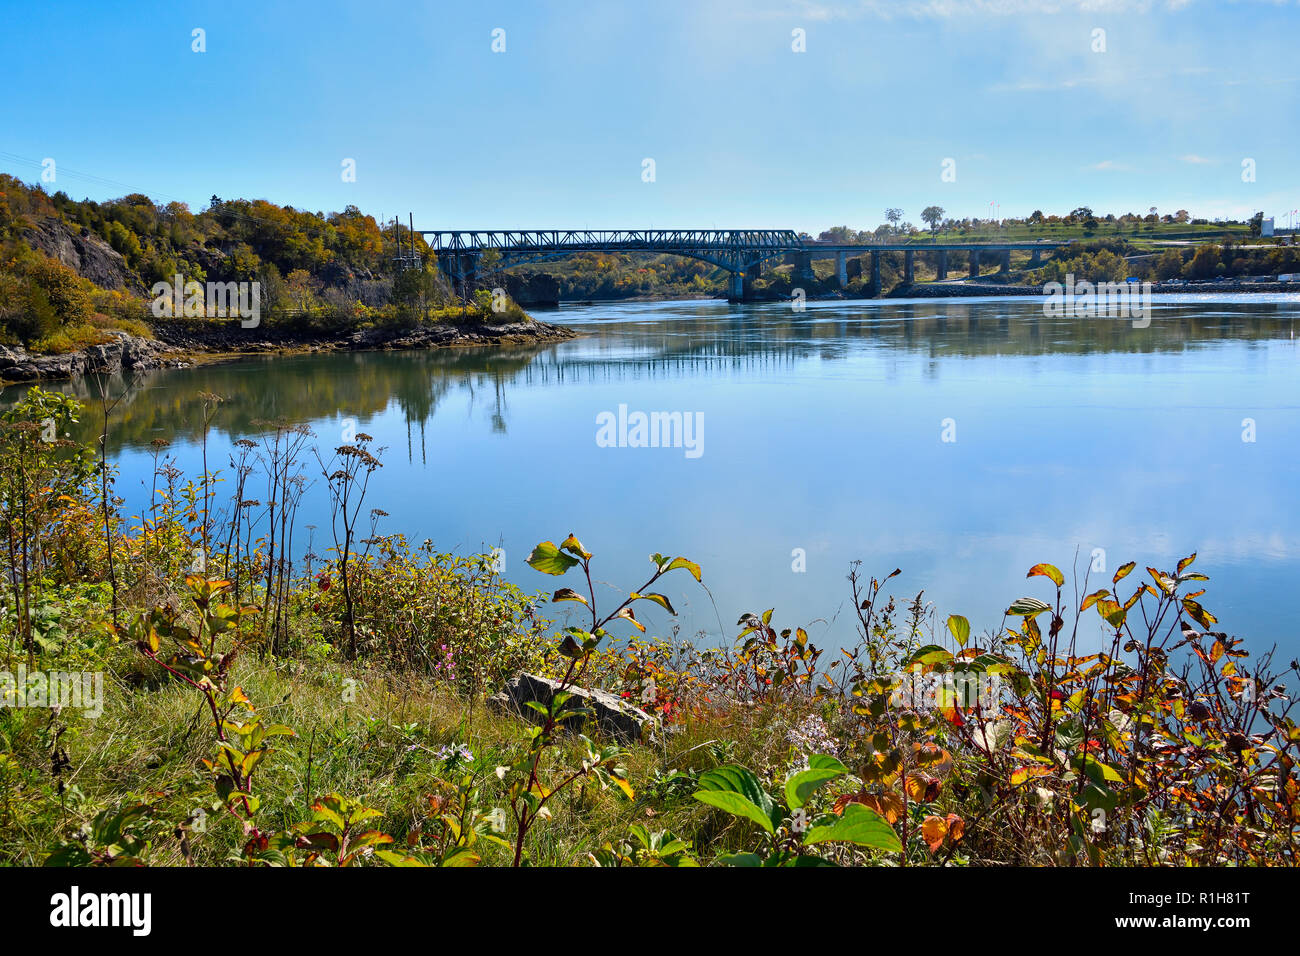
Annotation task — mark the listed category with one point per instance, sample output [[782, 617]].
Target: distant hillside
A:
[[69, 270]]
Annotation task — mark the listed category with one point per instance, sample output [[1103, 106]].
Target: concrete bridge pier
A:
[[803, 267], [1035, 259], [941, 267], [739, 281], [842, 269], [736, 287], [1006, 261], [909, 267], [974, 263], [874, 289]]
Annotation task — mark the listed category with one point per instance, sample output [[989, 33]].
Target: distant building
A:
[[1266, 227]]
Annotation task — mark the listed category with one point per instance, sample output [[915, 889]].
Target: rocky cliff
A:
[[86, 253]]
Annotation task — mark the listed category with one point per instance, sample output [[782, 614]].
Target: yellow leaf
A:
[[933, 830], [626, 614], [1047, 571], [956, 827]]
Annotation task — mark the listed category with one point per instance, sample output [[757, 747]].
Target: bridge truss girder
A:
[[735, 250]]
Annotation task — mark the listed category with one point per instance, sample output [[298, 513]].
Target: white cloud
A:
[[946, 9], [1196, 160]]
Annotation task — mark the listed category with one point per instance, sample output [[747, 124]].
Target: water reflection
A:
[[639, 341], [822, 434]]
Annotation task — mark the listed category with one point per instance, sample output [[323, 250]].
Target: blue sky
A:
[[744, 132]]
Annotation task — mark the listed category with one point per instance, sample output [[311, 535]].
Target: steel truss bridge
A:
[[742, 252]]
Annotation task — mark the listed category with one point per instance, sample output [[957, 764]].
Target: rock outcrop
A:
[[611, 714], [178, 343], [229, 337], [535, 289], [124, 352], [86, 253]]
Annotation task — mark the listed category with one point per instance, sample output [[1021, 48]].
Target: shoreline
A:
[[182, 345], [955, 290], [967, 290], [185, 344]]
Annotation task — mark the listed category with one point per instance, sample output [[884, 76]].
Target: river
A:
[[962, 441]]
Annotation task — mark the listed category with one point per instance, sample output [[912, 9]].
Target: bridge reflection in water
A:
[[672, 341]]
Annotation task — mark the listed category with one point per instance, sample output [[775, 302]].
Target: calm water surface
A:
[[823, 436]]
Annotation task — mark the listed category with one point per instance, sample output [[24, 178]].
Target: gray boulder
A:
[[611, 714]]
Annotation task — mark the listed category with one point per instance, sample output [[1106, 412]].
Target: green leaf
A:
[[1100, 773], [800, 786], [860, 825], [656, 598], [717, 787], [1028, 607], [370, 838], [1096, 797], [1111, 612], [930, 654], [1199, 614], [327, 809], [549, 559], [393, 858], [574, 547], [959, 627], [690, 566], [736, 805]]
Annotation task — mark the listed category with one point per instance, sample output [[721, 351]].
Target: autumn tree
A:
[[1205, 264], [1169, 265]]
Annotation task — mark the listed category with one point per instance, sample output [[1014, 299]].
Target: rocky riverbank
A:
[[179, 344], [965, 289]]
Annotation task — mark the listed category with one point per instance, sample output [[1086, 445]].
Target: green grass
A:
[[378, 747], [1104, 230]]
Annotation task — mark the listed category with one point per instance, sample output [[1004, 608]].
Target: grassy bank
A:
[[270, 700]]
